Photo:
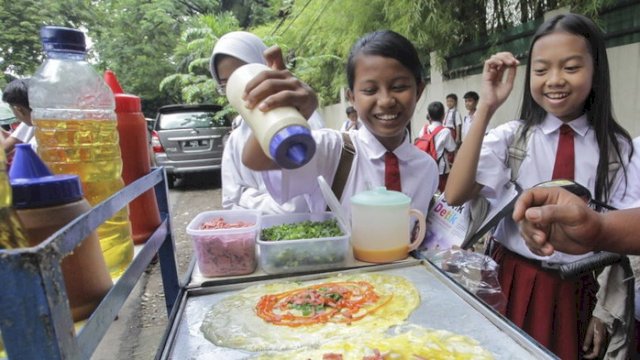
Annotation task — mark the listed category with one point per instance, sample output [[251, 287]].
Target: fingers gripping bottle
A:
[[283, 133], [75, 128]]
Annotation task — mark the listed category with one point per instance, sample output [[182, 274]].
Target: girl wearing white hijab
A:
[[243, 188]]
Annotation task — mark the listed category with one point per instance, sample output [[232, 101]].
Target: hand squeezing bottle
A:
[[75, 127], [283, 133]]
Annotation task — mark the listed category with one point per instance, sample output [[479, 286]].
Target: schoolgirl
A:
[[243, 188], [385, 80], [567, 109]]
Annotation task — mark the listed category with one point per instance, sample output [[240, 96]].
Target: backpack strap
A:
[[344, 166], [518, 150], [432, 143]]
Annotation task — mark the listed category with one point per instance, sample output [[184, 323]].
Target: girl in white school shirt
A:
[[567, 82], [243, 188], [385, 80]]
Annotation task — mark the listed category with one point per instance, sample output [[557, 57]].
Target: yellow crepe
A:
[[410, 342], [233, 321]]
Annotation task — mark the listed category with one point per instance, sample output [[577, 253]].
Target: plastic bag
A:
[[478, 273]]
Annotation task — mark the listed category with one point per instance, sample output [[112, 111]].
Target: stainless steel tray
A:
[[444, 305]]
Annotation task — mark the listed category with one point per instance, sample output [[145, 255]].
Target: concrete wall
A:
[[624, 66]]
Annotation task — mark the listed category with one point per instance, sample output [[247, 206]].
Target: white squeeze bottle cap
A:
[[283, 133]]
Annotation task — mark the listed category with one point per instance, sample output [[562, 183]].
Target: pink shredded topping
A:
[[219, 223]]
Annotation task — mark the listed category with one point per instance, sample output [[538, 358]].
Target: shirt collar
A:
[[377, 150], [579, 125]]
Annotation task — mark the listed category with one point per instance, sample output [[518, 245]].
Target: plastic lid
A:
[[59, 38], [333, 202], [380, 196], [34, 186], [126, 103], [292, 147]]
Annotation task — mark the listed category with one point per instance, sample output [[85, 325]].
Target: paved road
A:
[[137, 333]]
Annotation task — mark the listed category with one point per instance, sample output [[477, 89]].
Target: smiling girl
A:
[[385, 81], [567, 110]]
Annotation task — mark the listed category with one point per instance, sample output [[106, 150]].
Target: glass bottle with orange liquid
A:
[[75, 128]]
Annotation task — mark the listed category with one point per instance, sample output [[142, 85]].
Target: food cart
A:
[[36, 323]]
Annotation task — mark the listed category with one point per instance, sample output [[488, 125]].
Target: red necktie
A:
[[565, 155], [391, 172]]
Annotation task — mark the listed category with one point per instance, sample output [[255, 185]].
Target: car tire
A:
[[171, 179]]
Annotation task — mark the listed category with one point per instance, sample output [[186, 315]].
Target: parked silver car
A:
[[188, 138]]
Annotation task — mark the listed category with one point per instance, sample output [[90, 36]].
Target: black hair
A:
[[17, 93], [350, 110], [389, 44], [471, 95], [597, 106], [436, 111], [452, 96]]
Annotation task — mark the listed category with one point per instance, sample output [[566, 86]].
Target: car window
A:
[[190, 120]]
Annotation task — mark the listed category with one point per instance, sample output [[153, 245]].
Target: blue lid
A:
[[57, 38], [34, 185], [292, 146]]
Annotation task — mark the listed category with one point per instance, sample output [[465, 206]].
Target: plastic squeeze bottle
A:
[[11, 233], [283, 133], [45, 203], [132, 129], [75, 127]]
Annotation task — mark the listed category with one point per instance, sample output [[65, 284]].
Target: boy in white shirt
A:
[[441, 138], [470, 103], [16, 95], [453, 119]]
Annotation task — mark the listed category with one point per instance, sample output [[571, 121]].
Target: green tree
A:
[[20, 48]]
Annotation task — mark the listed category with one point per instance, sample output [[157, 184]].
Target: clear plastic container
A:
[[302, 255], [75, 127], [225, 252]]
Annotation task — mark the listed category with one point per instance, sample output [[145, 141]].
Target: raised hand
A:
[[494, 90], [278, 87]]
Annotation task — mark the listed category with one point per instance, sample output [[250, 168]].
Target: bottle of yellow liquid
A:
[[75, 128], [11, 234]]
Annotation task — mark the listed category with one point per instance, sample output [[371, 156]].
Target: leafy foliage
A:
[[160, 49], [20, 49]]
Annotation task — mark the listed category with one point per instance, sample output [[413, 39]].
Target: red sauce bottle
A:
[[132, 130]]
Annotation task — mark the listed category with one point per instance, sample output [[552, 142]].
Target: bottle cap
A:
[[380, 196], [125, 103], [34, 185], [57, 38], [292, 147]]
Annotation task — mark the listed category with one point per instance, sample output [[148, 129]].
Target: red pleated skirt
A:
[[553, 311]]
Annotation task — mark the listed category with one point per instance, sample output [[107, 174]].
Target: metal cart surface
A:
[[36, 322], [444, 305], [35, 318]]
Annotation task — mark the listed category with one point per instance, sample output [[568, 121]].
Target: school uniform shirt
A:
[[243, 188], [466, 125], [632, 197], [346, 124], [452, 119], [25, 134], [418, 171], [537, 167], [444, 141]]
